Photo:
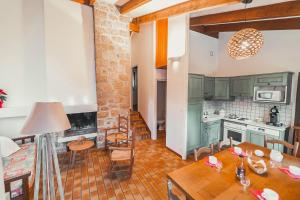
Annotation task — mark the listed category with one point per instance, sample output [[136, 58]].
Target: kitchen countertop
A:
[[212, 118]]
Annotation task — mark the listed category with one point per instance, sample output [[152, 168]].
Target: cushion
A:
[[19, 163], [7, 146]]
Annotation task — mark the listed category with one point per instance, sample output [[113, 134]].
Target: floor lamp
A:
[[47, 118]]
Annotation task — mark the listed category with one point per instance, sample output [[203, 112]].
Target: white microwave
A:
[[269, 96]]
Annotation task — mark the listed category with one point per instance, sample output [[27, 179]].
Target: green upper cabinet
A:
[[222, 89], [194, 138], [275, 79], [196, 88], [209, 87], [242, 86]]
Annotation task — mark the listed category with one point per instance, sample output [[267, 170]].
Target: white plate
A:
[[259, 153], [269, 194], [237, 150], [294, 170], [212, 160]]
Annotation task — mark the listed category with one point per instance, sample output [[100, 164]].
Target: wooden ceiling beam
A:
[[131, 5], [184, 7], [201, 29], [279, 10], [276, 24], [85, 2]]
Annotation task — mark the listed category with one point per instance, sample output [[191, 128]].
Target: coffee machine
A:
[[274, 116]]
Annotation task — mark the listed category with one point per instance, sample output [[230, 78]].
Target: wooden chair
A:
[[203, 150], [293, 148], [122, 158], [297, 136], [224, 144], [116, 135]]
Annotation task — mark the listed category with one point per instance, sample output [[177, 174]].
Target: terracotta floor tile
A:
[[88, 179]]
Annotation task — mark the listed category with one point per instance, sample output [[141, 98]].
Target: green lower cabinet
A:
[[211, 130], [255, 138], [194, 126], [259, 139]]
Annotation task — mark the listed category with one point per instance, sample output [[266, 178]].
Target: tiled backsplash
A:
[[245, 107]]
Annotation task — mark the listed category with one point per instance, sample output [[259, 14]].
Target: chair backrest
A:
[[123, 124], [202, 150], [225, 143], [294, 147]]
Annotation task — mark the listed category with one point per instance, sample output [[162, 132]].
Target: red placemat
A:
[[287, 171]]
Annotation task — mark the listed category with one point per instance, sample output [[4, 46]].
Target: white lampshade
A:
[[46, 117]]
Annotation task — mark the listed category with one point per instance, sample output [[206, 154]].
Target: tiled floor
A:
[[89, 180]]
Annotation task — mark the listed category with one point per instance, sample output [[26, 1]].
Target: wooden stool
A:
[[297, 137], [78, 146]]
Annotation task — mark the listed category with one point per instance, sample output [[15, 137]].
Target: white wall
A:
[[203, 54], [143, 56], [46, 53], [177, 84]]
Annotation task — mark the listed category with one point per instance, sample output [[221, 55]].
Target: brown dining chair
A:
[[297, 136], [222, 145], [203, 150], [293, 148], [121, 159], [116, 135]]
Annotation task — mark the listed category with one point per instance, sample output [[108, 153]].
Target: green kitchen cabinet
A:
[[254, 137], [222, 89], [242, 86], [258, 138], [274, 79], [209, 87], [194, 126], [196, 88], [211, 132]]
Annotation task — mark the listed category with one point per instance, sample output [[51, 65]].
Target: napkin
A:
[[257, 194], [206, 161], [232, 151], [287, 171]]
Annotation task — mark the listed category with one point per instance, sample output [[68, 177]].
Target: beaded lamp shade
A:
[[245, 43]]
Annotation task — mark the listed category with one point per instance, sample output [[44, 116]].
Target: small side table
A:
[[78, 146]]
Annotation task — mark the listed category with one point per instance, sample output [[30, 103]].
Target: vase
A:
[[1, 104]]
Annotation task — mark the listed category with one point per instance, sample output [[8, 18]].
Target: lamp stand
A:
[[48, 162]]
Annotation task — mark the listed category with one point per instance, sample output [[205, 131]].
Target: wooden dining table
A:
[[200, 181]]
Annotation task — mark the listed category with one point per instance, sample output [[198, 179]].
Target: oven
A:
[[235, 130]]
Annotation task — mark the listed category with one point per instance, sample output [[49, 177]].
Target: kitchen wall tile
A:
[[245, 107]]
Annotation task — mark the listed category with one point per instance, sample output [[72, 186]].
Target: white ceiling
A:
[[155, 5]]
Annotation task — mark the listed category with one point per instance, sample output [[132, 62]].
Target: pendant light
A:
[[246, 42]]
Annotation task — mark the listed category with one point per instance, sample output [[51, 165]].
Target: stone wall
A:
[[112, 44]]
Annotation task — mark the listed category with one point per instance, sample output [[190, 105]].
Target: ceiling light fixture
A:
[[246, 42]]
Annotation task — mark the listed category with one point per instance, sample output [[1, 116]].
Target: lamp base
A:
[[48, 162]]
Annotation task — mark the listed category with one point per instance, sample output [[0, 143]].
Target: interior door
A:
[[134, 88]]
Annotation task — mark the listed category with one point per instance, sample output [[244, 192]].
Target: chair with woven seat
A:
[[203, 150], [116, 135], [122, 158], [292, 148]]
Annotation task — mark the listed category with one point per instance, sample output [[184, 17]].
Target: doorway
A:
[[161, 108], [134, 88]]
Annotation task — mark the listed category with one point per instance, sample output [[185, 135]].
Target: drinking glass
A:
[[245, 182], [249, 153], [219, 167]]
